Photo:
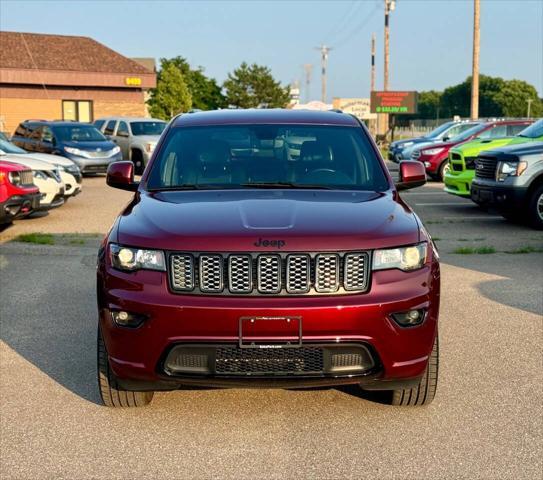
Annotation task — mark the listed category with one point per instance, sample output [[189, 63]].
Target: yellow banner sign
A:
[[133, 81]]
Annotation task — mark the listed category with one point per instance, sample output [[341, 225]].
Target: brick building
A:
[[54, 77]]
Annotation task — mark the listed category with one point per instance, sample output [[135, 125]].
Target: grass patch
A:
[[77, 241], [470, 240], [38, 238], [436, 239], [525, 249], [474, 250]]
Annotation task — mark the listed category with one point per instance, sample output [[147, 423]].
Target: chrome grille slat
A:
[[327, 273], [269, 274], [354, 272], [211, 273], [182, 272], [298, 273], [258, 273], [240, 274], [27, 177]]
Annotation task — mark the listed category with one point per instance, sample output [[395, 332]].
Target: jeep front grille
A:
[[269, 274]]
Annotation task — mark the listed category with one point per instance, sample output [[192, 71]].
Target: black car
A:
[[80, 142], [510, 179]]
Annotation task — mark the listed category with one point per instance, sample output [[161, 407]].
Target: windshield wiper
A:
[[285, 185]]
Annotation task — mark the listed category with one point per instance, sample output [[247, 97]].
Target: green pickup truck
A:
[[461, 171]]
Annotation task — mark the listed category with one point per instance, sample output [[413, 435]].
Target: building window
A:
[[77, 110]]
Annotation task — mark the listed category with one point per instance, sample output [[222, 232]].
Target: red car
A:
[[18, 194], [435, 157], [267, 248]]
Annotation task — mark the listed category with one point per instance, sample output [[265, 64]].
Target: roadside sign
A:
[[394, 102]]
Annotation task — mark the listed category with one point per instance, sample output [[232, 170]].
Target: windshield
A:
[[8, 147], [147, 128], [437, 131], [78, 133], [267, 156], [535, 130], [465, 135]]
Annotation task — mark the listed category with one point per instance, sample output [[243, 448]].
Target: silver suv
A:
[[136, 137]]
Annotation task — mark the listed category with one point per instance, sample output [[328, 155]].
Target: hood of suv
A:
[[261, 220], [52, 159], [471, 149]]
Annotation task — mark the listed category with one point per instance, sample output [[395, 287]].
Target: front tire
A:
[[535, 208], [425, 391], [113, 395]]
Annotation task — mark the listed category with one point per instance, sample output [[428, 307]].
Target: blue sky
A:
[[431, 40]]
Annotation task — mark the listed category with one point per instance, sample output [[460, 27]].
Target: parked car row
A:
[[34, 181], [496, 163], [43, 164]]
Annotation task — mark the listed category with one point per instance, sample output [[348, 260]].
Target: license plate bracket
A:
[[270, 332]]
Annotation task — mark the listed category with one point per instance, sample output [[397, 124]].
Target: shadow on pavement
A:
[[48, 312]]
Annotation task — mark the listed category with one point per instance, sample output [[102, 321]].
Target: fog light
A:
[[409, 318], [427, 164], [126, 319]]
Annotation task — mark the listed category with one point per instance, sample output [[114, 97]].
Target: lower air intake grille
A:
[[233, 360]]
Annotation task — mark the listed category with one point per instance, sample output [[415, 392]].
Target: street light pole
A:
[[475, 69], [529, 101], [324, 61]]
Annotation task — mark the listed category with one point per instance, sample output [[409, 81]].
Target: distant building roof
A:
[[146, 62], [62, 52]]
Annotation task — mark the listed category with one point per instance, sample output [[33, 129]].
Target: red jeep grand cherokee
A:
[[267, 248]]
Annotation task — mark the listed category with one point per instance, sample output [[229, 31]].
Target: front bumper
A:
[[493, 194], [137, 355], [49, 201], [18, 206], [94, 165], [458, 183]]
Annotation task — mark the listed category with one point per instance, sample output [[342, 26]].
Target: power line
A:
[[343, 23], [357, 27]]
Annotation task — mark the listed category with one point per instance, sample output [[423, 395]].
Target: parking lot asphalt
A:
[[486, 420]]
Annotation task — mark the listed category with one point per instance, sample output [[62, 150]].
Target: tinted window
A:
[[46, 134], [234, 156], [496, 131], [468, 133], [147, 128], [21, 130], [122, 129], [436, 132], [8, 147], [110, 127], [99, 124], [535, 130], [78, 133]]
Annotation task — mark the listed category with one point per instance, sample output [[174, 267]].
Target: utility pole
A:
[[308, 67], [529, 102], [475, 69], [324, 61], [389, 7], [372, 83]]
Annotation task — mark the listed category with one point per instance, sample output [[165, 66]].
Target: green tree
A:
[[171, 95], [250, 86], [513, 99], [205, 92], [429, 104]]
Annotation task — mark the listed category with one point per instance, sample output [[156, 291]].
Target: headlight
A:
[[14, 178], [39, 174], [404, 258], [432, 151], [75, 151], [124, 258], [510, 169], [73, 169], [407, 144], [115, 150], [150, 147]]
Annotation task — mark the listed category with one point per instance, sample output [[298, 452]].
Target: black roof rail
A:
[[336, 110]]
